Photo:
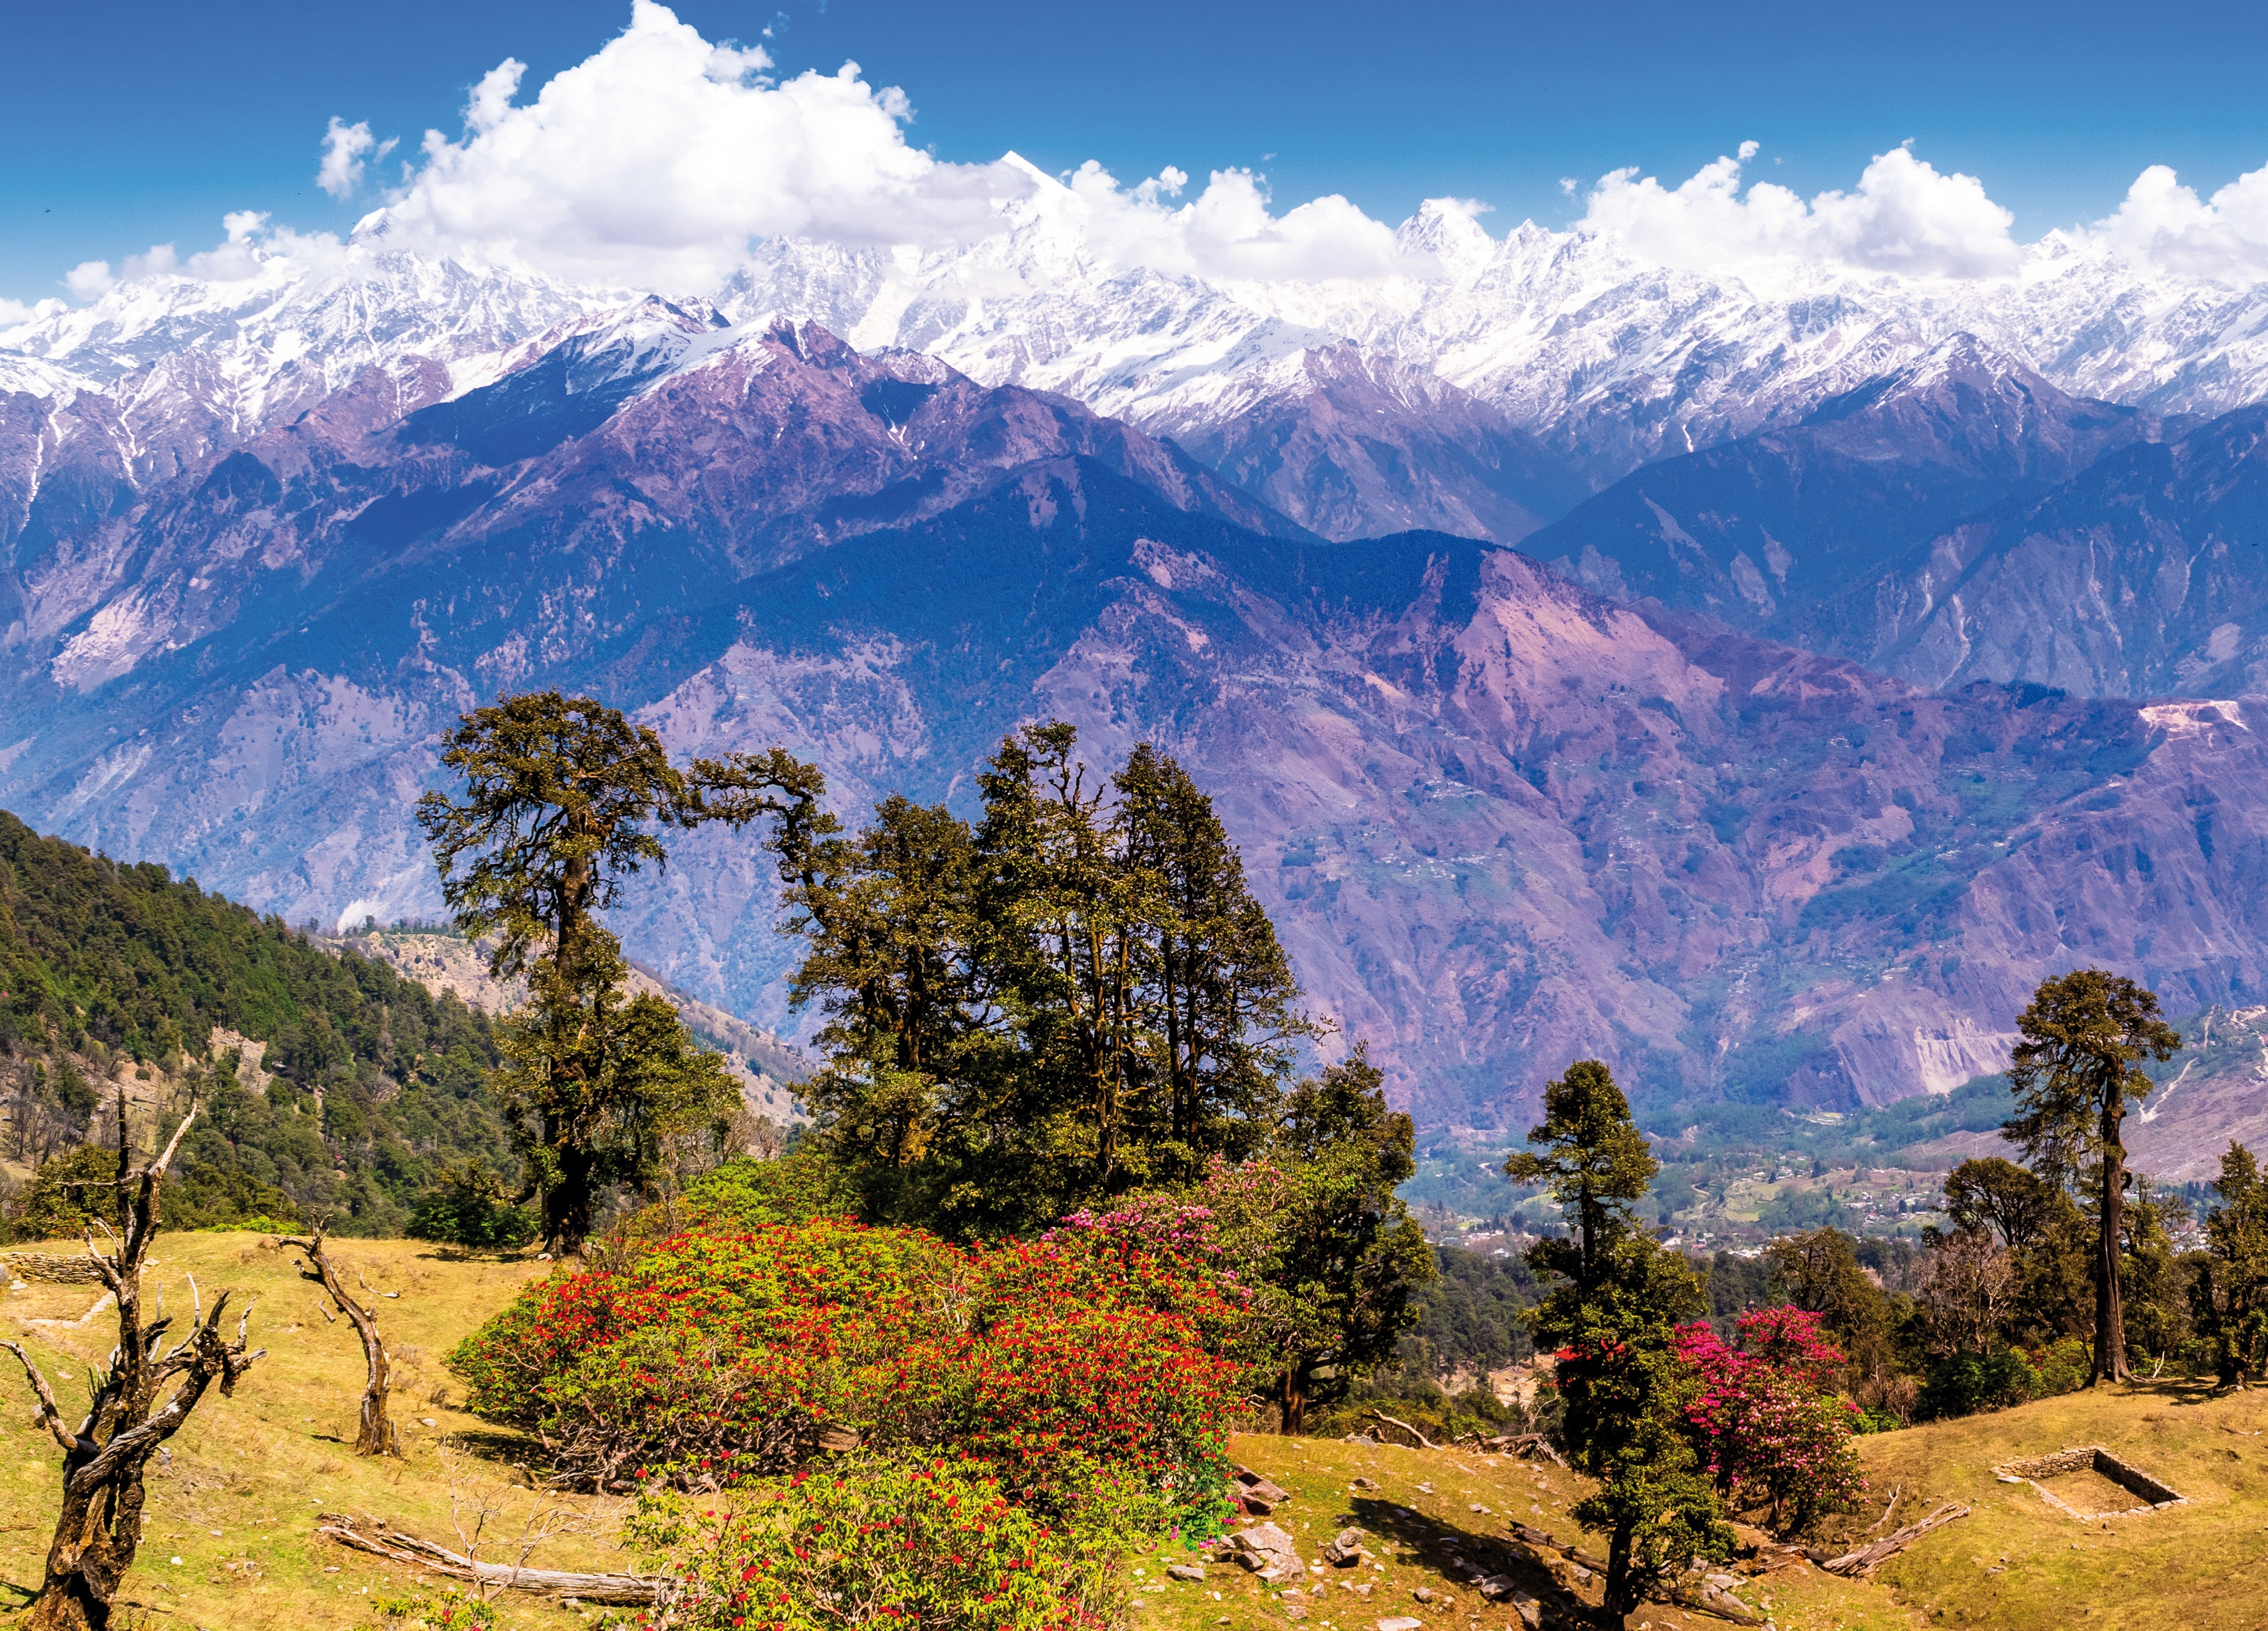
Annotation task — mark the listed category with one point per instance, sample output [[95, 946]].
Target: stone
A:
[[1267, 1551], [1257, 1493], [1423, 1594], [1404, 1623], [1186, 1571], [1497, 1588], [1529, 1609], [1345, 1549], [1365, 1483]]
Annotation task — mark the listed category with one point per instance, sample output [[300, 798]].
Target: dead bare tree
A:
[[377, 1436], [100, 1524]]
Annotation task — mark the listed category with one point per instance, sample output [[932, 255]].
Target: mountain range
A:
[[1872, 648]]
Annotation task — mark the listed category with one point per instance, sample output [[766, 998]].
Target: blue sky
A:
[[132, 124]]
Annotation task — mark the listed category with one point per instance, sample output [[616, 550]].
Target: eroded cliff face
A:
[[2146, 574], [1503, 821]]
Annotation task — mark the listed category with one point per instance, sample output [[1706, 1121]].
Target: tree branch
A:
[[50, 1417]]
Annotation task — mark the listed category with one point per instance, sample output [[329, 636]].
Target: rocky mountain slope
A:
[[2144, 575], [1503, 821], [1762, 532], [1605, 361]]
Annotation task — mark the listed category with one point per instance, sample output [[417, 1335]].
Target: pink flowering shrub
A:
[[1770, 1428]]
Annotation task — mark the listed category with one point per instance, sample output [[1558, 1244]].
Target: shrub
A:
[[917, 1544], [438, 1613], [709, 1344], [764, 1347], [2063, 1368], [468, 1208], [63, 1201], [1772, 1430], [1961, 1385], [745, 1193]]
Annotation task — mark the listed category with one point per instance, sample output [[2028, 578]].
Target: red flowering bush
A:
[[762, 1348], [712, 1345], [913, 1544], [1771, 1430]]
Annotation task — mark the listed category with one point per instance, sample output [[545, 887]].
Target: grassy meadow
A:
[[237, 1504]]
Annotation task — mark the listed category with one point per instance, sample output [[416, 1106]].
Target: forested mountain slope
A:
[[325, 1074]]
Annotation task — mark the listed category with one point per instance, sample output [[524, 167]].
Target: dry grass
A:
[[237, 1504], [2019, 1563], [1417, 1532]]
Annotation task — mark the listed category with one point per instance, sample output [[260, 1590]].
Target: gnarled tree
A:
[[377, 1434], [100, 1525]]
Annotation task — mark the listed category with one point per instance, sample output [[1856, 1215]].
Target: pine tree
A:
[[2228, 1298], [2084, 1036], [1348, 1258], [1612, 1317], [564, 798], [1076, 997]]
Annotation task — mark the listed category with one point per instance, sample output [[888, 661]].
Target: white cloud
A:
[[1905, 217], [2162, 225], [1226, 232], [345, 147], [89, 280], [655, 162]]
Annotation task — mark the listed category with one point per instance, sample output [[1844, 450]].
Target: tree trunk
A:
[[1620, 1598], [2109, 1310], [568, 1204], [99, 1527], [376, 1435], [1292, 1401]]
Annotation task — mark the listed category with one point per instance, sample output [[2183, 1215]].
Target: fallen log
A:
[[1543, 1541], [372, 1535], [1713, 1599], [1864, 1561], [1536, 1444], [1384, 1420]]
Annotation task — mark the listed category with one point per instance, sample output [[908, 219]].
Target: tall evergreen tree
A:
[[1612, 1316], [1348, 1258], [1073, 998], [2085, 1036], [562, 800], [2229, 1295]]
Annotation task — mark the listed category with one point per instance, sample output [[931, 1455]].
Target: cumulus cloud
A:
[[345, 148], [1905, 217], [656, 161], [1226, 232], [2166, 226]]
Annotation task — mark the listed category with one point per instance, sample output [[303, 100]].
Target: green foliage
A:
[[561, 796], [929, 1544], [2229, 1291], [1335, 1258], [419, 1613], [1075, 998], [1964, 1384], [745, 1194], [2085, 1036], [470, 1208], [1612, 1315], [1471, 1320], [120, 963], [69, 1196]]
